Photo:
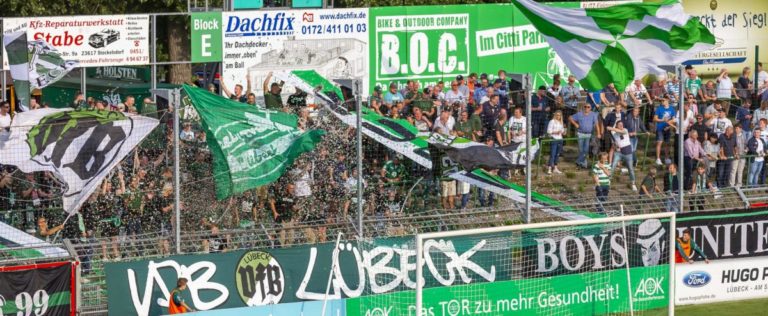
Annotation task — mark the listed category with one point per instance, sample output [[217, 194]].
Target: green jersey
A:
[[465, 128], [693, 85], [393, 171], [273, 101], [603, 179]]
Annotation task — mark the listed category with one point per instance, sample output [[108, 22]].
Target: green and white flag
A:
[[80, 147], [620, 43], [33, 64], [250, 147]]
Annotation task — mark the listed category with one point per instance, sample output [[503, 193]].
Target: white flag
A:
[[79, 146]]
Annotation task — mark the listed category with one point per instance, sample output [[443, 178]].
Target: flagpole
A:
[[528, 137], [358, 104], [177, 195], [680, 146]]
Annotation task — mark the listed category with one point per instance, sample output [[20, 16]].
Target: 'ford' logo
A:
[[697, 279]]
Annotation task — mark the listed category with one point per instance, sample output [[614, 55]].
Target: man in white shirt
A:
[[725, 89], [455, 95], [5, 120], [517, 126], [444, 123], [762, 77]]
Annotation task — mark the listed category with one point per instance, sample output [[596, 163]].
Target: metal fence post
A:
[[153, 56], [528, 138], [176, 104], [680, 134], [358, 104]]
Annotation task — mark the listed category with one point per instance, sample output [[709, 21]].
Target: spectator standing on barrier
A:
[[664, 116], [272, 98], [176, 304], [601, 173], [727, 154], [237, 95], [725, 90], [587, 126], [570, 95], [43, 231], [739, 162], [756, 149], [215, 242], [687, 249], [694, 155], [672, 187], [539, 110], [556, 130], [649, 187]]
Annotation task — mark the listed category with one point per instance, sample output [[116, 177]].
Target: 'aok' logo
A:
[[259, 279]]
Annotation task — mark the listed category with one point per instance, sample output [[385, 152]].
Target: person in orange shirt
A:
[[687, 249], [176, 304]]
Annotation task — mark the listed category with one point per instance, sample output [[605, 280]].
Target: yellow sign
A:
[[738, 26]]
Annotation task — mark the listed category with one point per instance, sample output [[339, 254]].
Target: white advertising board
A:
[[721, 280], [110, 40], [333, 42]]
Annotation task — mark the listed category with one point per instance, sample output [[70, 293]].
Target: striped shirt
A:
[[603, 179]]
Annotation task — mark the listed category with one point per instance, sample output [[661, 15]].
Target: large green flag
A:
[[619, 43], [250, 147]]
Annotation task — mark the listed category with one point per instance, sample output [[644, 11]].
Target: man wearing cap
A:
[[272, 99], [539, 110], [393, 96], [377, 101], [425, 103], [462, 86]]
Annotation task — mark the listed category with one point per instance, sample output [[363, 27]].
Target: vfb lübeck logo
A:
[[260, 279]]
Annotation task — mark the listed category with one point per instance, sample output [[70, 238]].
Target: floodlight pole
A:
[[358, 127], [175, 103], [528, 137], [680, 140]]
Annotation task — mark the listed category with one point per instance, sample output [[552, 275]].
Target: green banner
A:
[[596, 293], [250, 147], [206, 37], [437, 43]]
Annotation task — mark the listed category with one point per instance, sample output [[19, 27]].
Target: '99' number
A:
[[26, 304]]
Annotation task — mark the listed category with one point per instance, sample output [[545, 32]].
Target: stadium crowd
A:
[[724, 127]]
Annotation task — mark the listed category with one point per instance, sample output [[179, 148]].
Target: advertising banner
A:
[[721, 280], [332, 42], [574, 294], [436, 43], [727, 234], [738, 26], [113, 40], [311, 308], [256, 278], [42, 290]]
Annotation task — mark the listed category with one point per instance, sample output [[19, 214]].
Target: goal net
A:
[[605, 266]]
